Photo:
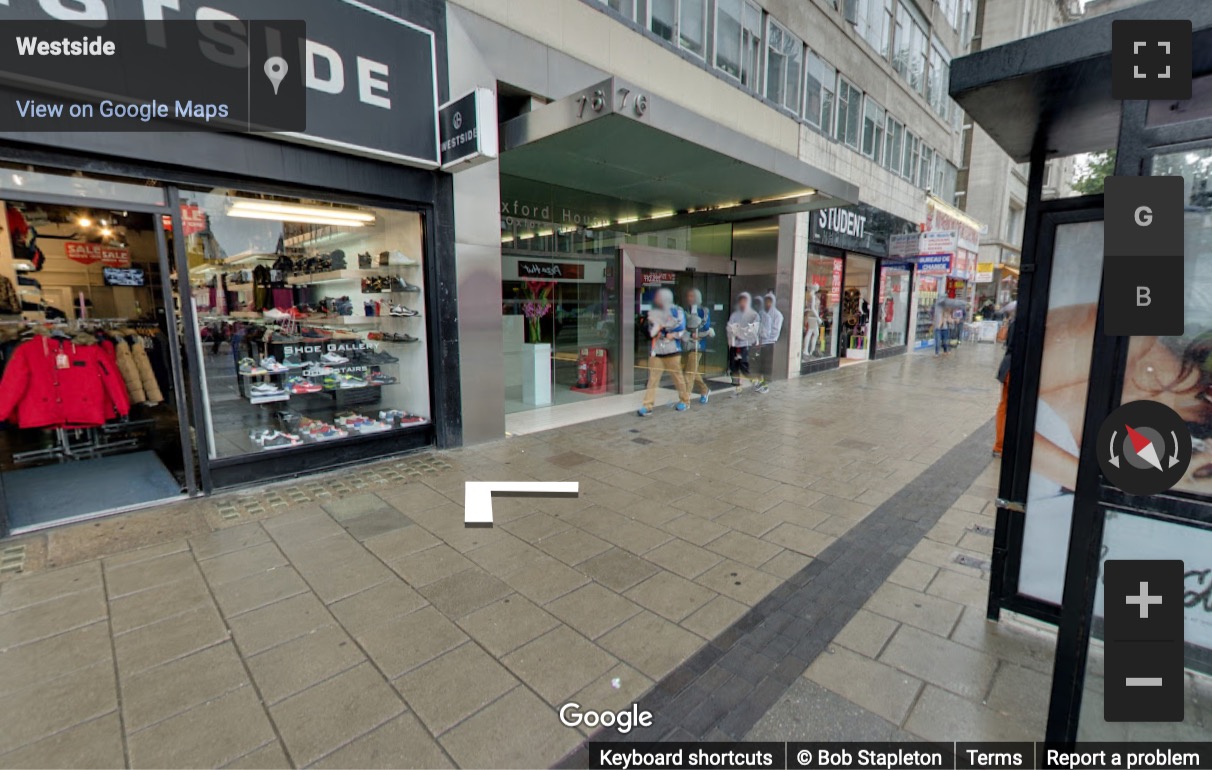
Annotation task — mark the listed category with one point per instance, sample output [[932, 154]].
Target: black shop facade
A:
[[182, 312], [858, 303]]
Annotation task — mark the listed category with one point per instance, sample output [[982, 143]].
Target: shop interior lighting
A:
[[626, 220], [84, 222], [293, 212]]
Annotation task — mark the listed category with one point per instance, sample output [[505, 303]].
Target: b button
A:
[[1143, 256]]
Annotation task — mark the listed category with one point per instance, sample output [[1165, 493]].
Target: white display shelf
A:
[[348, 274], [268, 399]]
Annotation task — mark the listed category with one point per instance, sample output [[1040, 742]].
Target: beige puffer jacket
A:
[[137, 372], [146, 374], [130, 372]]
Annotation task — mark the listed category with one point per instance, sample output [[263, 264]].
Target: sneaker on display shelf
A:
[[249, 366], [397, 258], [293, 362], [270, 364], [333, 358], [264, 390], [400, 311], [274, 314], [350, 381], [399, 284], [378, 378], [300, 386]]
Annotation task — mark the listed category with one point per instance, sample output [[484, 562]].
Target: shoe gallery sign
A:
[[369, 77]]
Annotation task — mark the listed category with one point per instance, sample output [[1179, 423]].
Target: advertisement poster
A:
[[193, 219], [937, 242], [92, 253]]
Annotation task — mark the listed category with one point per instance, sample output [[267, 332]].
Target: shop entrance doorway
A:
[[715, 291], [855, 332], [90, 388]]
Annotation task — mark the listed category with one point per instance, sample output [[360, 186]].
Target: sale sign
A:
[[193, 219], [92, 253]]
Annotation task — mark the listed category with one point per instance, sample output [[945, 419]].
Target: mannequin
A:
[[812, 323]]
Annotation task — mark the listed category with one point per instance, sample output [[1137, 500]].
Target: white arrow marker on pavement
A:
[[477, 496]]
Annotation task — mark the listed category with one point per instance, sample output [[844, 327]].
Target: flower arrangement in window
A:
[[536, 307]]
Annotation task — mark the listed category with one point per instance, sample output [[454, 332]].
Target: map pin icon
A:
[[275, 70]]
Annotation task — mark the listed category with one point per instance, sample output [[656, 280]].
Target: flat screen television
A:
[[124, 276]]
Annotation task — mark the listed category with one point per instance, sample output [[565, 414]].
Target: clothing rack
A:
[[88, 443]]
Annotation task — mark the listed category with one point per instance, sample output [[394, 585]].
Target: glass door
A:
[[716, 304], [91, 387]]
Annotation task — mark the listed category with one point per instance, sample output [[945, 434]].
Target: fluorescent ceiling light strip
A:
[[292, 209], [307, 219]]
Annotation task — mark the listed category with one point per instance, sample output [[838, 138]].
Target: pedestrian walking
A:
[[1004, 334], [743, 327], [942, 328], [666, 327], [694, 344]]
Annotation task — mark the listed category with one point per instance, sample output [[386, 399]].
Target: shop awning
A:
[[640, 157], [1055, 87]]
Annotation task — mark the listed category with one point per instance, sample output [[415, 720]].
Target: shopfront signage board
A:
[[937, 242], [370, 76], [935, 264], [538, 270], [468, 130]]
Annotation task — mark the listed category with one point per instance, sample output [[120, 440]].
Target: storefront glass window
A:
[[822, 301], [310, 319], [894, 306]]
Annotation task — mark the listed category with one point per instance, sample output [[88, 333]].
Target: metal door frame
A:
[[167, 263]]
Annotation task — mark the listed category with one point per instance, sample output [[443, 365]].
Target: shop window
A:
[[311, 319], [738, 34], [822, 302], [784, 58], [849, 112], [873, 129], [894, 291], [625, 8], [893, 140]]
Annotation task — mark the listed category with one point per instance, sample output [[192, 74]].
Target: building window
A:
[[912, 154], [939, 79], [911, 47], [849, 112], [950, 174], [873, 129], [828, 96], [923, 169], [893, 139], [622, 7], [873, 21], [738, 39], [1014, 223], [819, 79], [784, 58], [682, 20]]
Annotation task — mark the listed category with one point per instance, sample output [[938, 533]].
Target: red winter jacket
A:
[[87, 393]]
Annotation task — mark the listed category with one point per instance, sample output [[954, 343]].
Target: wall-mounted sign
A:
[[657, 277], [940, 216], [573, 270], [193, 219], [984, 272], [92, 253], [937, 242], [468, 129], [860, 228], [904, 245], [937, 264]]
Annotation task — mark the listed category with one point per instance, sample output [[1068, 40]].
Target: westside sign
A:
[[468, 129], [370, 76]]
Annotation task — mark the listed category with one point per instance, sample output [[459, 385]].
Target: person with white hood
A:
[[770, 328], [694, 343], [666, 327], [742, 328]]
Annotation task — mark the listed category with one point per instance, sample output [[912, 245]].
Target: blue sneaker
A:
[[681, 407], [703, 399], [644, 412]]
